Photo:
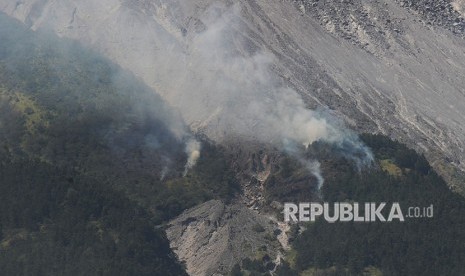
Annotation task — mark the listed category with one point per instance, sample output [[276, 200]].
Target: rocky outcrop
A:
[[445, 13], [373, 17], [212, 237]]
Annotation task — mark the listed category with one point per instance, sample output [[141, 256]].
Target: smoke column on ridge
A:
[[227, 92], [219, 78], [193, 154]]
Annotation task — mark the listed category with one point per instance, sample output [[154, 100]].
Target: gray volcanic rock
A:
[[446, 13], [376, 63], [212, 237]]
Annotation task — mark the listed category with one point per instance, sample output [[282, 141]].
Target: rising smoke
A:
[[221, 81], [226, 91], [193, 154]]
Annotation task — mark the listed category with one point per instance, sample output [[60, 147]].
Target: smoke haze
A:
[[193, 154], [225, 93], [222, 85]]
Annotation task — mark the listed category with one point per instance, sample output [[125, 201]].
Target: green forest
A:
[[83, 146], [417, 246]]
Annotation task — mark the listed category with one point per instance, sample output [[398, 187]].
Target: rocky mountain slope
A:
[[393, 67], [234, 68], [231, 231]]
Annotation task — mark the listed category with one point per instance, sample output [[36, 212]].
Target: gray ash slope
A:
[[351, 18], [213, 237], [394, 67], [447, 14], [396, 32]]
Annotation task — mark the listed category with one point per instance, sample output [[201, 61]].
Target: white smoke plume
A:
[[193, 154], [226, 91], [224, 86], [163, 173], [204, 64], [314, 168]]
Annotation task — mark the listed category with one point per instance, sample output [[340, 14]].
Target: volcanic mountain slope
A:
[[393, 67], [213, 60]]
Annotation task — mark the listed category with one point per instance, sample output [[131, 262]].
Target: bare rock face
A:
[[212, 237], [374, 17]]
